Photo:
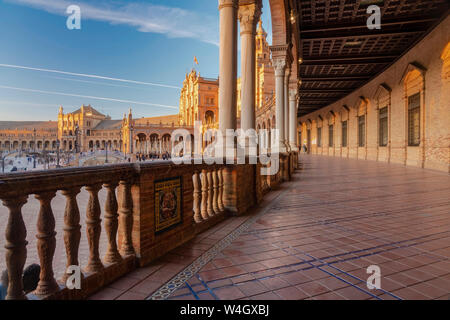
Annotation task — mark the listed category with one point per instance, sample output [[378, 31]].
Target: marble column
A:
[[227, 64], [286, 106], [248, 17], [279, 65], [293, 120]]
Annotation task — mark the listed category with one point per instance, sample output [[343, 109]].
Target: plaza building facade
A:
[[199, 99], [32, 136], [87, 129]]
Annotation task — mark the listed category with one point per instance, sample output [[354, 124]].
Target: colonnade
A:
[[248, 15]]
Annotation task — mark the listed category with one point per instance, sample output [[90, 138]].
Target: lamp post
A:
[[34, 140], [131, 140], [34, 149], [3, 162], [76, 138], [57, 152], [106, 146], [120, 140]]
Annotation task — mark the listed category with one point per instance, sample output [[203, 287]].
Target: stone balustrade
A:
[[14, 192], [135, 221]]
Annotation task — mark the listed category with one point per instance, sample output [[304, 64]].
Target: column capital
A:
[[249, 15], [228, 3], [279, 65], [293, 95]]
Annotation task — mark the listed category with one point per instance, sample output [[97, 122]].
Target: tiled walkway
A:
[[314, 239]]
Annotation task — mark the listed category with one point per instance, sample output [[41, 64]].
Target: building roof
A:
[[28, 125], [158, 120], [88, 109], [109, 125]]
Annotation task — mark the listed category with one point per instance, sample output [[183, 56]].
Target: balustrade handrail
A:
[[206, 182], [21, 183]]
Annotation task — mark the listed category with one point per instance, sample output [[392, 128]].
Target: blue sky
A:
[[152, 43]]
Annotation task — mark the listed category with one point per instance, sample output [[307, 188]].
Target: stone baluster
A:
[[72, 233], [220, 195], [197, 197], [46, 244], [204, 204], [93, 228], [210, 193], [216, 191], [16, 247], [111, 223], [126, 218]]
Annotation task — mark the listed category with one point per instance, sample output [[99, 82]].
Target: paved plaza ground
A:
[[313, 238]]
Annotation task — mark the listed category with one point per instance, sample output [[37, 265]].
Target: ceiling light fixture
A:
[[352, 43], [292, 17]]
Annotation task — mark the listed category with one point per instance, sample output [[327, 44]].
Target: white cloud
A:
[[88, 97], [173, 22], [88, 76]]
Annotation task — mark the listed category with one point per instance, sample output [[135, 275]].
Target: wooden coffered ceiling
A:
[[339, 52]]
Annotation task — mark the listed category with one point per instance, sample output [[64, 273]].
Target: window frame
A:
[[414, 109], [362, 131], [331, 135], [383, 127], [344, 142], [319, 136]]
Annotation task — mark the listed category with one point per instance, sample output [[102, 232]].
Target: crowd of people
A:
[[152, 156]]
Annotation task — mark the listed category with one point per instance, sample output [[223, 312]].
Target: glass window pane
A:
[[344, 134], [330, 135], [414, 120], [361, 131]]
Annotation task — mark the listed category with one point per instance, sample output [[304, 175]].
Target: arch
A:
[[165, 140], [282, 17], [414, 94], [278, 14], [154, 142], [209, 117], [413, 70]]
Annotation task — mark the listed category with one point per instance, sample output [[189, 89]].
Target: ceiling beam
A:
[[367, 34], [336, 78], [363, 25], [378, 59], [309, 91]]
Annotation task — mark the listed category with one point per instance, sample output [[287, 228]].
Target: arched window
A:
[[414, 86], [209, 117]]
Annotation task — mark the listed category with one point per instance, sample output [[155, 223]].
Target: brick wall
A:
[[423, 70]]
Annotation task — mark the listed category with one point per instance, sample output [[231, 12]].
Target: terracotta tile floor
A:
[[315, 237]]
